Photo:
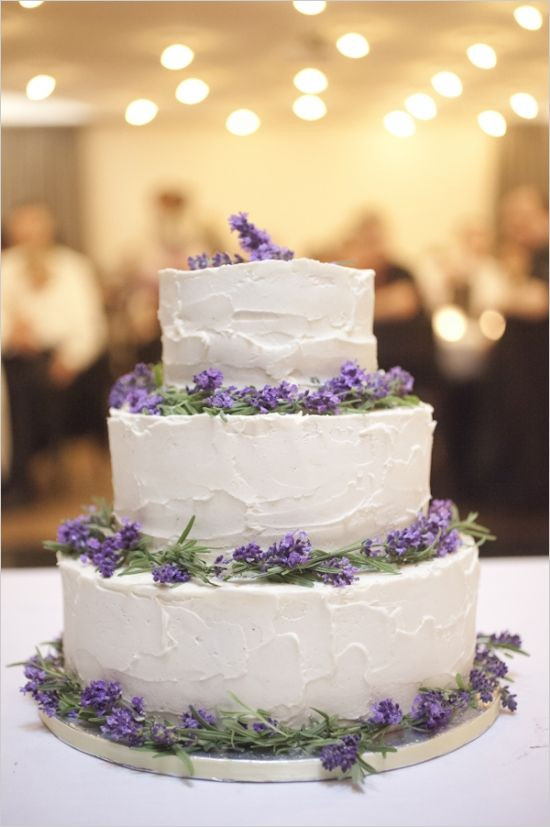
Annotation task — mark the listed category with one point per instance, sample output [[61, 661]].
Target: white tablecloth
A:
[[499, 780]]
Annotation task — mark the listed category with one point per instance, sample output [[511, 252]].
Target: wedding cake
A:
[[319, 575]]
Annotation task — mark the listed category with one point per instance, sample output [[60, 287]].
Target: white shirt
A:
[[65, 314]]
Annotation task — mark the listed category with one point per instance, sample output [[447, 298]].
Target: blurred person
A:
[[53, 342], [400, 325], [176, 233]]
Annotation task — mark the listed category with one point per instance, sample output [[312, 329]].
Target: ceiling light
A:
[[399, 123], [140, 112], [447, 84], [30, 4], [492, 325], [524, 105], [421, 106], [482, 56], [492, 123], [192, 90], [242, 122], [309, 107], [353, 45], [40, 87], [528, 17], [310, 6], [449, 323], [310, 81], [177, 56]]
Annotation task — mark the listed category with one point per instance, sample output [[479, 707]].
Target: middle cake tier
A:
[[340, 478]]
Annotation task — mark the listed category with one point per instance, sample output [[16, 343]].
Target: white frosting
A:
[[279, 647], [264, 321], [341, 478]]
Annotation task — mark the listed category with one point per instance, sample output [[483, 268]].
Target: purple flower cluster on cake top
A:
[[98, 540], [257, 243], [431, 531], [353, 389]]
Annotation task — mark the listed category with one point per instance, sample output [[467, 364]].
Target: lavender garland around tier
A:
[[341, 745], [257, 243], [97, 538], [352, 390]]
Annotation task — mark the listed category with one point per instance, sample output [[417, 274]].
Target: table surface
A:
[[498, 780]]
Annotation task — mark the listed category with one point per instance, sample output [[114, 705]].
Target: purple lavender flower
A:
[[448, 543], [376, 385], [506, 639], [207, 380], [139, 401], [120, 726], [75, 532], [198, 262], [259, 726], [484, 684], [189, 721], [221, 258], [138, 705], [251, 553], [106, 556], [430, 710], [399, 381], [48, 702], [385, 713], [264, 399], [129, 535], [220, 565], [170, 573], [342, 754], [507, 700], [101, 696], [162, 734], [322, 401], [257, 243], [125, 389], [293, 550], [344, 574], [220, 399]]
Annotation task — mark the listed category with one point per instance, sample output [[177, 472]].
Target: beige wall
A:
[[305, 188]]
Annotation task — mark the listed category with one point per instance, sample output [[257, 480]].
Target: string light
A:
[[40, 87], [242, 122], [192, 91], [177, 56], [399, 123], [310, 7], [140, 112], [421, 106], [449, 323], [492, 123], [309, 108], [482, 56], [353, 45], [524, 105], [310, 81], [492, 324], [447, 84], [528, 17]]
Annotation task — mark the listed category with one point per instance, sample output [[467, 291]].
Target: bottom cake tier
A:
[[285, 648]]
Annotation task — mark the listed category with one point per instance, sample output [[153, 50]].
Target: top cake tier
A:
[[264, 321]]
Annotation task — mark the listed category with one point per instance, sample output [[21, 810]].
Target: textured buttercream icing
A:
[[341, 478], [283, 648], [264, 321]]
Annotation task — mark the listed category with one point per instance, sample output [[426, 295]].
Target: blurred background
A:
[[408, 137]]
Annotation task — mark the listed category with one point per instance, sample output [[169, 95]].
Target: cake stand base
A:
[[412, 748]]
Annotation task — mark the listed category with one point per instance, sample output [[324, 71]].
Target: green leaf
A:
[[185, 759]]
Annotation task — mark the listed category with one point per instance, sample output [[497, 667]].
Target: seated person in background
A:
[[53, 338], [400, 325]]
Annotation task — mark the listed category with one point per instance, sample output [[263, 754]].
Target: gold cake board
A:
[[251, 768]]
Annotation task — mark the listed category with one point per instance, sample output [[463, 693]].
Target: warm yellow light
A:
[[449, 323], [353, 45], [242, 122], [310, 81], [421, 106], [482, 56], [447, 84], [310, 6], [177, 56], [492, 123], [30, 4], [399, 123], [528, 17], [40, 87], [492, 325], [309, 108], [192, 90], [524, 105], [140, 112]]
